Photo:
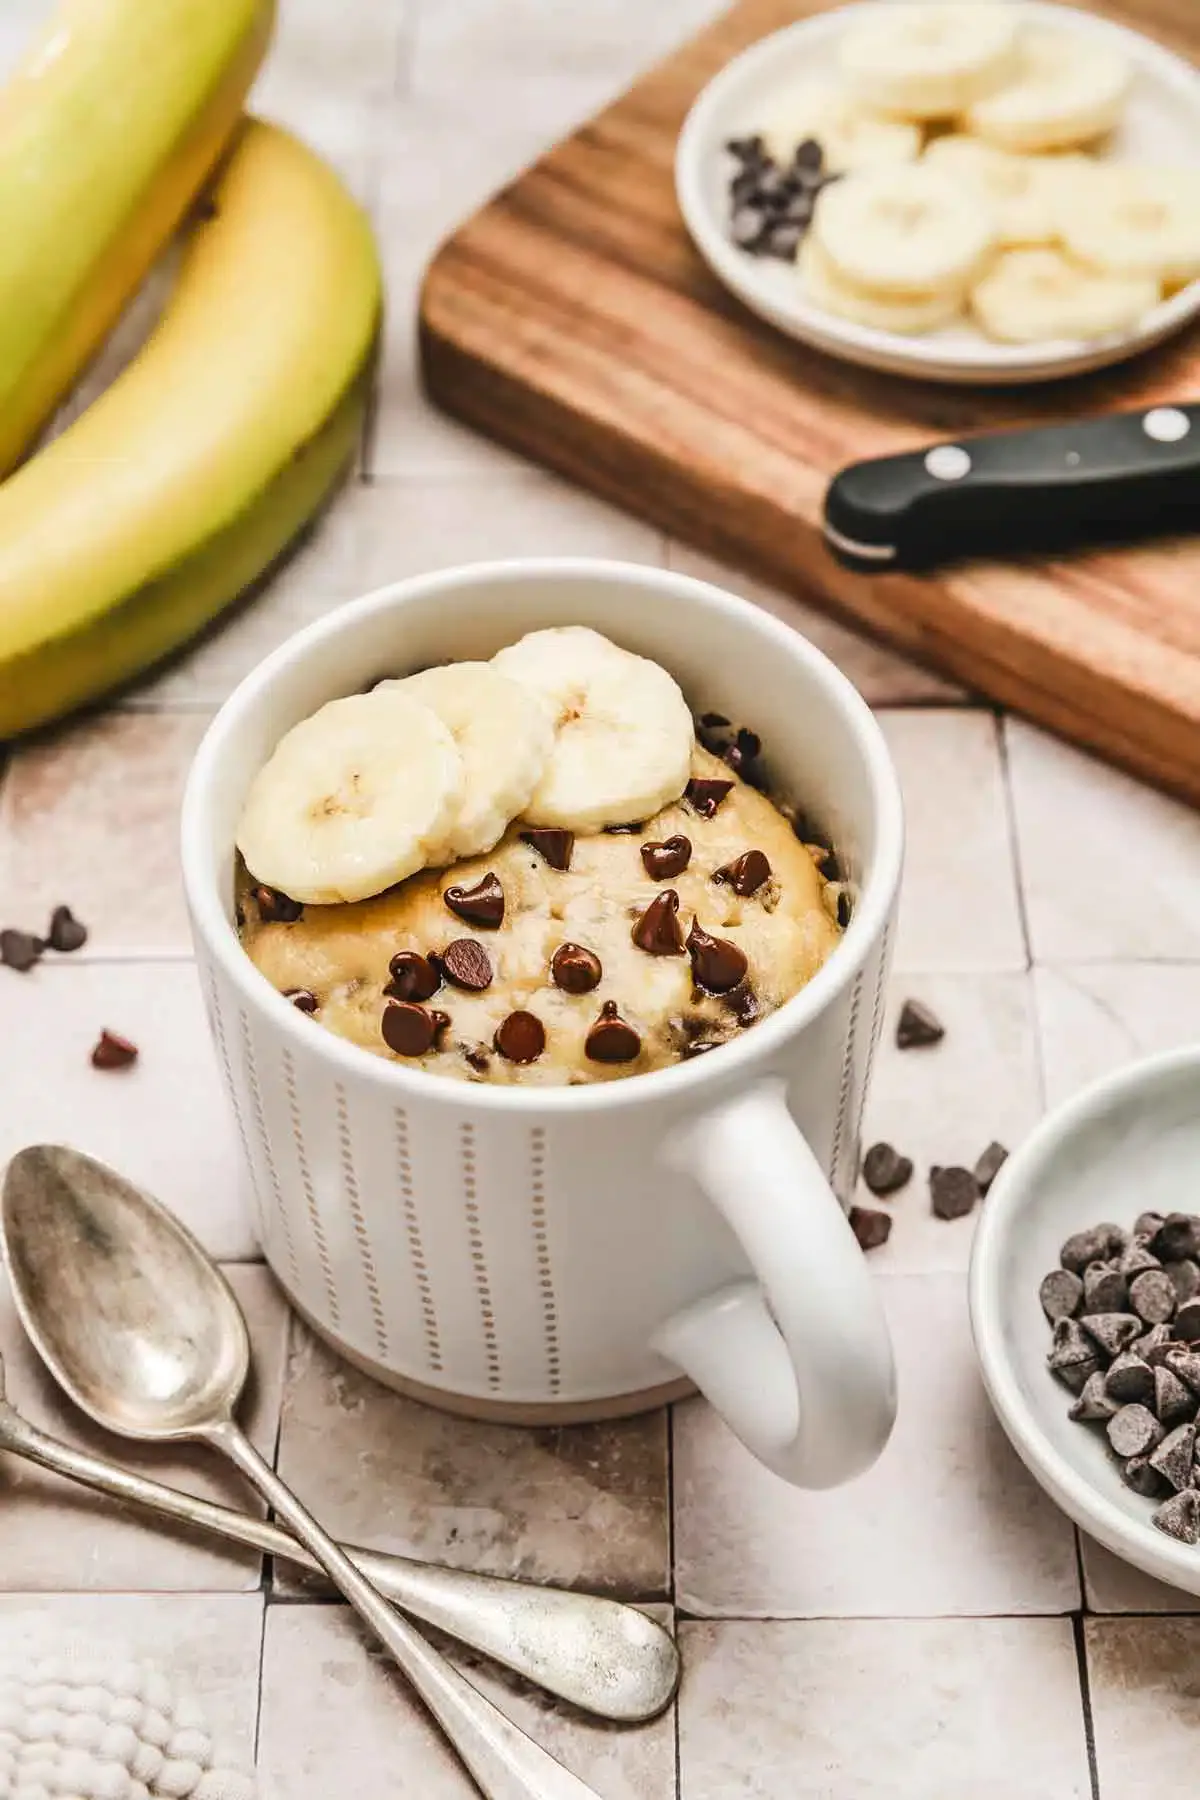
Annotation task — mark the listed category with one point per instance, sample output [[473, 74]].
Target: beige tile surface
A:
[[1113, 1586], [948, 1522], [585, 1506], [333, 1715], [1145, 1705], [842, 1710], [1094, 1017], [164, 1122], [945, 1103], [503, 39], [959, 906], [1111, 868], [90, 815], [56, 1535]]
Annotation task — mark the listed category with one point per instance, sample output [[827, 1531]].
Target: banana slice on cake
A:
[[908, 316], [850, 137], [1031, 296], [623, 735], [1069, 89], [904, 231], [1131, 220], [504, 737], [929, 61], [353, 799]]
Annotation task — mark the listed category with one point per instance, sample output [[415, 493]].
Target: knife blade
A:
[[1117, 478]]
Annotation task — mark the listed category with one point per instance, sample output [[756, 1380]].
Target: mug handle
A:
[[798, 1361]]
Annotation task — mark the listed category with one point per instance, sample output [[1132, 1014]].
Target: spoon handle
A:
[[604, 1657], [506, 1763]]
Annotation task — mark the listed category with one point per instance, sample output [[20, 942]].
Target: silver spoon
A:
[[141, 1330], [600, 1655]]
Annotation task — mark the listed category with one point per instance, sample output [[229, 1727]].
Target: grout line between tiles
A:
[[1014, 835], [1085, 1696], [262, 1663]]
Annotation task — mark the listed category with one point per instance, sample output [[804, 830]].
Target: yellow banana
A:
[[196, 468], [107, 130]]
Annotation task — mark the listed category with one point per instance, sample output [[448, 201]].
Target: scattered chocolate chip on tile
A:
[[409, 1029], [657, 932], [1178, 1236], [481, 905], [884, 1170], [1173, 1403], [1105, 1289], [1130, 1380], [611, 1039], [67, 933], [990, 1165], [552, 843], [521, 1037], [1179, 1517], [717, 965], [664, 860], [1112, 1332], [1072, 1355], [467, 965], [276, 908], [917, 1026], [574, 969], [413, 977], [1185, 1278], [1061, 1294], [1096, 1244], [954, 1192], [20, 950], [704, 795], [1134, 1431], [747, 874], [1152, 1296], [1094, 1404], [112, 1051], [870, 1226], [303, 999]]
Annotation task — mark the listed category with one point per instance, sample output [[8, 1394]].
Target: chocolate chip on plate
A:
[[1185, 1276], [481, 905], [1178, 1236], [884, 1170], [67, 933], [1130, 1380], [1096, 1244], [748, 224], [990, 1165], [704, 795], [276, 908], [1134, 1431], [1173, 1402], [574, 969], [1185, 1364], [871, 1227], [1105, 1289], [552, 843], [1152, 1296], [411, 1030], [413, 977], [521, 1037], [467, 964], [20, 950], [1153, 1345], [1072, 1355], [1061, 1294], [1094, 1404], [808, 157], [1179, 1516], [610, 1039], [1138, 1475], [663, 861], [917, 1026], [1187, 1319], [303, 999], [747, 874], [657, 931], [1147, 1223], [717, 965], [1112, 1332], [1135, 1257], [112, 1051], [953, 1191]]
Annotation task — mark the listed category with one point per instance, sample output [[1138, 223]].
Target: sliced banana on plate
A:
[[908, 316], [623, 735], [1130, 220], [929, 61], [352, 800], [900, 232], [1030, 296], [1069, 89], [850, 137], [1026, 191], [504, 737]]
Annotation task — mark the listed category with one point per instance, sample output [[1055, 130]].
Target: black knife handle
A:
[[1057, 487]]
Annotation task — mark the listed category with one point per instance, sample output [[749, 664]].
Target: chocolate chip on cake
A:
[[704, 795], [276, 908], [521, 1037], [20, 950], [481, 905], [953, 1191], [1061, 1294], [574, 969], [610, 1039], [884, 1170], [67, 933], [467, 964], [657, 931], [411, 1030], [747, 874], [871, 1227], [552, 843], [413, 977], [112, 1051], [303, 999], [717, 965], [917, 1026], [663, 861]]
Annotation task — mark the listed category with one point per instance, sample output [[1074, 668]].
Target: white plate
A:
[[1127, 1145], [1162, 124]]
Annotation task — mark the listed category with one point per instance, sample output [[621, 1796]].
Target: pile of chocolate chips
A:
[[771, 205], [1124, 1307]]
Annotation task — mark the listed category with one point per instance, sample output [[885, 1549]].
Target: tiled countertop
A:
[[935, 1630]]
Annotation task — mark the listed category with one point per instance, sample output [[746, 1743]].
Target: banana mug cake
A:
[[529, 870]]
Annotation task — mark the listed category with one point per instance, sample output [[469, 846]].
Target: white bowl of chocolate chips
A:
[[1085, 1305]]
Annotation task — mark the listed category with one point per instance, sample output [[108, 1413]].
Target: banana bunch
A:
[[191, 474], [964, 136]]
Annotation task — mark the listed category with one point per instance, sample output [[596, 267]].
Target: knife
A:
[[1058, 487]]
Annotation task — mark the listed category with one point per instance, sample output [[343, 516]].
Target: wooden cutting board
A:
[[572, 319]]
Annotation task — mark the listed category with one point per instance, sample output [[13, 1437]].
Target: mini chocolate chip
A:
[[552, 843], [918, 1026], [748, 149], [414, 977], [20, 950], [634, 825], [990, 1165], [66, 933], [746, 226], [574, 969], [521, 1037], [665, 860], [467, 964], [481, 905], [717, 965], [870, 1227], [699, 1047], [845, 909], [112, 1051], [478, 1058], [303, 999], [714, 721], [1061, 1294], [884, 1170], [809, 156], [610, 1039], [657, 931], [782, 240], [276, 908], [953, 1192], [747, 874], [411, 1030], [704, 795], [742, 1002]]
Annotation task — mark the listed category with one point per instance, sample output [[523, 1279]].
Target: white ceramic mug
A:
[[566, 1253]]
